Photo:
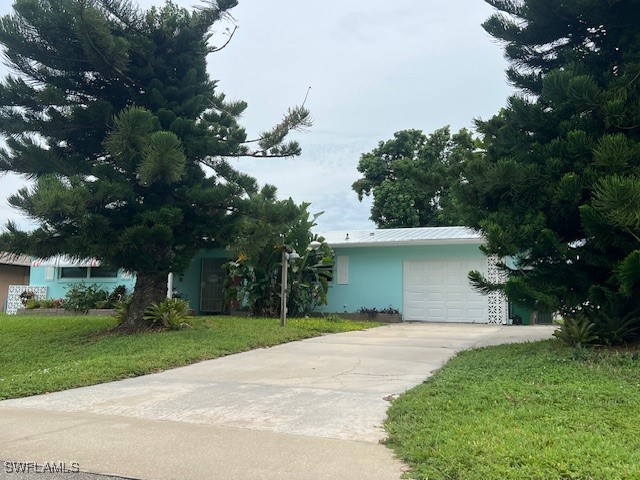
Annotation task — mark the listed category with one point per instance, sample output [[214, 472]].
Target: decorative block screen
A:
[[14, 302], [498, 306]]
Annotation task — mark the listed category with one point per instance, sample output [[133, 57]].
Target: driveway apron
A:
[[310, 409]]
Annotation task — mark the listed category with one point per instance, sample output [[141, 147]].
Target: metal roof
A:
[[402, 236], [65, 261]]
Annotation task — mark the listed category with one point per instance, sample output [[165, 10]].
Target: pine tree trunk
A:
[[149, 288]]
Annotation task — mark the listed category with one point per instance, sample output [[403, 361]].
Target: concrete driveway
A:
[[311, 409]]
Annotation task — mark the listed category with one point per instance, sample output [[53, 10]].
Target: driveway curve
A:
[[310, 409]]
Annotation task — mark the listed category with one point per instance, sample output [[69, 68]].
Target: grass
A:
[[534, 411], [46, 354]]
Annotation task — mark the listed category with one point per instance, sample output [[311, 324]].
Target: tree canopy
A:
[[411, 175], [557, 183], [255, 279], [111, 111]]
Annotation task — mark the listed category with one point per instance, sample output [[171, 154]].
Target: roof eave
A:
[[405, 243], [14, 260]]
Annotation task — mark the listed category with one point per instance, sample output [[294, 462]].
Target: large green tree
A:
[[573, 128], [111, 111], [410, 177]]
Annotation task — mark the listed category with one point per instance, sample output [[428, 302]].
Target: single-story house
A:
[[422, 272]]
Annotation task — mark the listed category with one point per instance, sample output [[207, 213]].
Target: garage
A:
[[439, 291], [420, 272]]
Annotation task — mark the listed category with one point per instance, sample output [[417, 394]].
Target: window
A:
[[49, 273], [74, 272], [342, 270], [103, 272], [88, 272]]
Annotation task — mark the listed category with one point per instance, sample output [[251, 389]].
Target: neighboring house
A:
[[422, 272], [14, 270]]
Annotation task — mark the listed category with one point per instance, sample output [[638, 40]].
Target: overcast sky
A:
[[374, 67]]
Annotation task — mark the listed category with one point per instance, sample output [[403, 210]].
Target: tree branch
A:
[[217, 49], [98, 51]]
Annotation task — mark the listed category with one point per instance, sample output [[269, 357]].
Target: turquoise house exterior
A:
[[57, 274], [200, 284], [422, 272]]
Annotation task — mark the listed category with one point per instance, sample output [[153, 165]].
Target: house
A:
[[422, 272], [14, 270]]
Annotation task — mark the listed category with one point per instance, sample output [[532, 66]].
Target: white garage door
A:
[[439, 291]]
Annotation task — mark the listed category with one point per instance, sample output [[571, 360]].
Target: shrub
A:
[[121, 308], [332, 317], [117, 295], [576, 331], [391, 310], [81, 297], [615, 326], [370, 312], [31, 303], [51, 303], [56, 303], [172, 313]]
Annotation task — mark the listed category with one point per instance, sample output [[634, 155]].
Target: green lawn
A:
[[45, 354], [528, 411]]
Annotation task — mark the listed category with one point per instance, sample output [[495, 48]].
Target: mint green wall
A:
[[57, 288], [376, 274], [189, 286]]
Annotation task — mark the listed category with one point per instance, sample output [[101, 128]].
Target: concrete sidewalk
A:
[[311, 409]]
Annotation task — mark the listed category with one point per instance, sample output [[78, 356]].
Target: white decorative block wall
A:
[[14, 302], [498, 303]]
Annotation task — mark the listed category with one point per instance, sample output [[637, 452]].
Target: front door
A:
[[211, 282]]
